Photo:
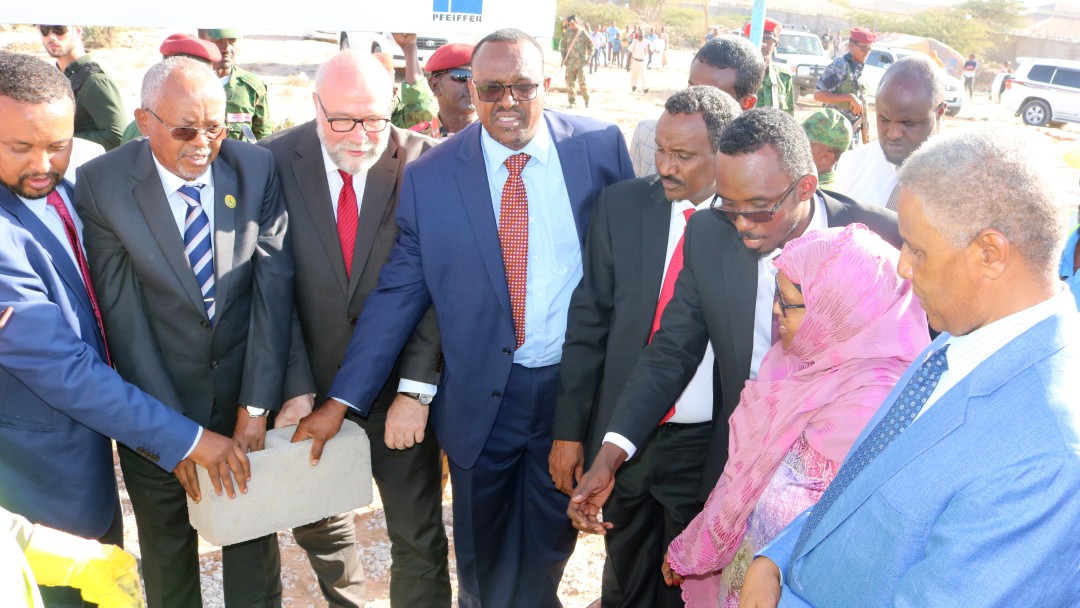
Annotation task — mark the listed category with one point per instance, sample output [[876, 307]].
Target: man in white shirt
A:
[[349, 140], [910, 104], [964, 488], [632, 256]]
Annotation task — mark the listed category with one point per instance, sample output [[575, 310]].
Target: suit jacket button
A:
[[352, 319], [496, 394], [213, 364], [205, 323], [507, 351]]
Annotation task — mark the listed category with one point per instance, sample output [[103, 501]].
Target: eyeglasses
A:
[[456, 74], [345, 125], [719, 205], [864, 47], [59, 30], [784, 306], [213, 132], [520, 91]]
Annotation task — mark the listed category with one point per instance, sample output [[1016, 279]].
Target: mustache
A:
[[50, 174], [673, 180]]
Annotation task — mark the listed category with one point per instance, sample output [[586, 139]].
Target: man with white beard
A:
[[340, 176]]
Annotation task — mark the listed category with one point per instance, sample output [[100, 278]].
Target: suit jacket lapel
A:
[[225, 184], [310, 174], [149, 194], [65, 267], [378, 189], [739, 268], [473, 185], [655, 225], [574, 159]]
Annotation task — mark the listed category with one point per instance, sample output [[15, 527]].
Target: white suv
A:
[[1044, 91], [804, 56]]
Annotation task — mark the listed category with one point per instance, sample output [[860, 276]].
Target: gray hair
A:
[[155, 78], [919, 68], [30, 80], [759, 127], [717, 108], [973, 179]]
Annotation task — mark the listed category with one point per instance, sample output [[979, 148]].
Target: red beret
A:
[[186, 44], [863, 35], [772, 28], [449, 56]]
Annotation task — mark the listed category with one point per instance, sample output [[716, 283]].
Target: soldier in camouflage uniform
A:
[[839, 87], [247, 108], [579, 48], [776, 89], [829, 133]]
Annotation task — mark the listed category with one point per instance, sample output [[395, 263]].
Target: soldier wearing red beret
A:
[[449, 72], [839, 85]]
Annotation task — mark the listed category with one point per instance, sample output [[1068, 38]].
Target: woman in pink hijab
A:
[[849, 327]]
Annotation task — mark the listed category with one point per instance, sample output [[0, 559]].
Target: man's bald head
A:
[[352, 68], [910, 103]]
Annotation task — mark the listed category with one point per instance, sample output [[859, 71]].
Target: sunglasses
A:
[[213, 132], [722, 206], [345, 125], [521, 91], [59, 30], [456, 74], [784, 306]]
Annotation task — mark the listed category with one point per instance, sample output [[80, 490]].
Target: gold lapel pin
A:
[[230, 201]]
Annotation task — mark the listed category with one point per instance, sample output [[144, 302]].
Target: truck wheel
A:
[[1035, 113]]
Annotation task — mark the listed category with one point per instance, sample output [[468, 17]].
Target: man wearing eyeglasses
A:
[[340, 174], [632, 256], [491, 229], [839, 85], [766, 195], [99, 110], [185, 236], [449, 74]]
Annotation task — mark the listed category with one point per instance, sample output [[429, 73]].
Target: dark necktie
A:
[[197, 239], [667, 288], [55, 201], [902, 413], [514, 238], [348, 217]]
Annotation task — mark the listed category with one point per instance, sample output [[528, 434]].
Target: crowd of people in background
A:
[[771, 362]]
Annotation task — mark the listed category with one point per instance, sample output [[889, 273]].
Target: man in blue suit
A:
[[59, 400], [491, 228], [975, 503]]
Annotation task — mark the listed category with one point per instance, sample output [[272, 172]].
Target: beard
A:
[[19, 188], [339, 152]]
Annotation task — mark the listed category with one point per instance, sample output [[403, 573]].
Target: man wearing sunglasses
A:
[[340, 175], [491, 229], [99, 110], [839, 85], [766, 194], [185, 236], [449, 72]]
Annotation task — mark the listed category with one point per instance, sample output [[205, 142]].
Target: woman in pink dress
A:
[[849, 326]]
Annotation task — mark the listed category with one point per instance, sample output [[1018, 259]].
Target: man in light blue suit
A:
[[976, 502], [491, 228], [59, 400]]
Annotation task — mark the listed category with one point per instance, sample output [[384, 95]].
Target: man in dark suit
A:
[[59, 400], [340, 242], [766, 195], [492, 223], [632, 257], [186, 242]]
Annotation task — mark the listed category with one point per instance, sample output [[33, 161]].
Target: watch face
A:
[[426, 399]]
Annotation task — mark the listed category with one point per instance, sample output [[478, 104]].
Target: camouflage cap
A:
[[221, 34], [829, 127]]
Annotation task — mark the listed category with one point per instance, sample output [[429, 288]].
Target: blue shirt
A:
[[611, 32], [554, 249], [1072, 279]]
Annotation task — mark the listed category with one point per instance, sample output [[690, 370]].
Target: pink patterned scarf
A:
[[861, 330]]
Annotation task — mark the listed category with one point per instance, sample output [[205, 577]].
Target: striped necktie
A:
[[903, 412], [197, 244]]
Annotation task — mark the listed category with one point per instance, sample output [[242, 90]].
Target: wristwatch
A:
[[255, 412], [421, 397]]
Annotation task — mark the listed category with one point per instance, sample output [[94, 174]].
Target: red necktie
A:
[[347, 219], [667, 289], [514, 238], [56, 202]]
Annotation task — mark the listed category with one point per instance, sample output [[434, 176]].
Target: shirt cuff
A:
[[198, 436], [622, 442], [413, 386], [347, 404]]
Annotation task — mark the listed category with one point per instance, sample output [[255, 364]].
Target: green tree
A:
[[1000, 15]]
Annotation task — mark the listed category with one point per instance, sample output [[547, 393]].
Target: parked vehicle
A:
[[804, 56], [879, 60], [1044, 91], [380, 42]]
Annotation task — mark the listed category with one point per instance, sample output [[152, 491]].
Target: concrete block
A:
[[285, 491]]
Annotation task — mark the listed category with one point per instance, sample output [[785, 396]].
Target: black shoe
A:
[[632, 89], [586, 103]]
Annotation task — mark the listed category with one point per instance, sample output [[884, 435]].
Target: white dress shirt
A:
[[865, 175]]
